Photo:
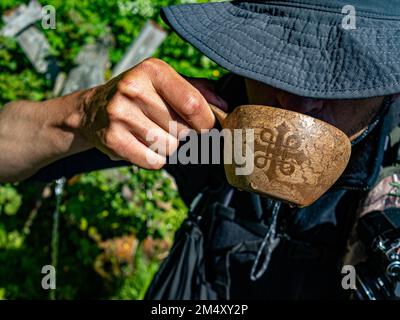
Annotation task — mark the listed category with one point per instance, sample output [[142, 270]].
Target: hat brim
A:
[[298, 49]]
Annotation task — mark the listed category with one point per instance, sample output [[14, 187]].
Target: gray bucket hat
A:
[[314, 48]]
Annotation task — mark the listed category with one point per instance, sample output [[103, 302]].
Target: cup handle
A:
[[218, 113]]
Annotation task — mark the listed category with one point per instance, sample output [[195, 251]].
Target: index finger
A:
[[180, 95]]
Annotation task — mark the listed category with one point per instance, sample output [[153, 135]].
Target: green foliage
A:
[[98, 209], [10, 200], [84, 21]]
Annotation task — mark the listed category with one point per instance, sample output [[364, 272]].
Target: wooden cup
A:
[[297, 158]]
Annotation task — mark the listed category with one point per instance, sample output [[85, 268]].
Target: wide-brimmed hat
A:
[[330, 49]]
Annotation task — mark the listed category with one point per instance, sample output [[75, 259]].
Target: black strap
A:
[[298, 249]]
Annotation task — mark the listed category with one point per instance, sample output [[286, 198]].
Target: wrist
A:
[[68, 123]]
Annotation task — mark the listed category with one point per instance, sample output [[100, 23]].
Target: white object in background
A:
[[19, 24], [149, 39], [20, 18], [92, 63]]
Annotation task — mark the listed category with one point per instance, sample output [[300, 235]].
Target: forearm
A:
[[115, 118], [34, 134]]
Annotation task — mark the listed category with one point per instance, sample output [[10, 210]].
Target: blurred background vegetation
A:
[[115, 225]]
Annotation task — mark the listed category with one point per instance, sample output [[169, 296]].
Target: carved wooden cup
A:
[[297, 158]]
